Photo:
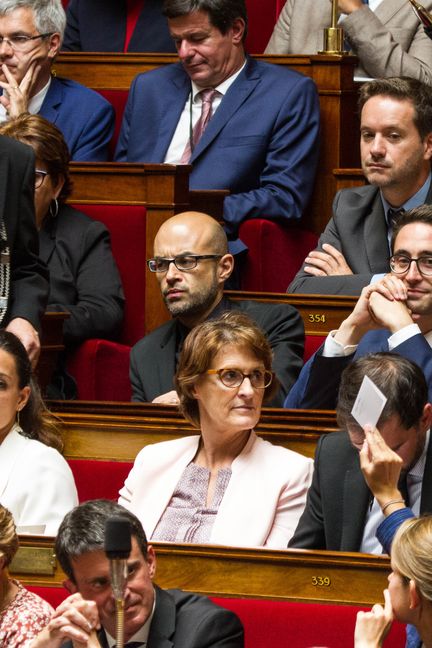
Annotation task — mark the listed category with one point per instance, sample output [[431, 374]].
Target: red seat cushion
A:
[[95, 479], [117, 99]]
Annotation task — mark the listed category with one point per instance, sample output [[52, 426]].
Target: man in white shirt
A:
[[153, 617], [393, 314], [31, 32], [386, 35], [261, 133], [362, 476]]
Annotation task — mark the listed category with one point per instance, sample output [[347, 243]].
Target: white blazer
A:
[[263, 501], [36, 484]]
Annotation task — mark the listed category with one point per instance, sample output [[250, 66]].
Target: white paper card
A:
[[369, 403]]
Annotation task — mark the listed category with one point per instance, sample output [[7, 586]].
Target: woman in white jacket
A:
[[225, 485], [36, 483]]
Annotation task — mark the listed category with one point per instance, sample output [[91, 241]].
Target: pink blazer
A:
[[263, 501]]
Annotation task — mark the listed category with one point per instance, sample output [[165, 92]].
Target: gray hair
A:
[[49, 15]]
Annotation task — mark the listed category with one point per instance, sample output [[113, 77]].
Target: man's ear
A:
[[426, 418], [54, 45], [238, 29], [151, 561], [428, 146], [70, 586], [225, 268]]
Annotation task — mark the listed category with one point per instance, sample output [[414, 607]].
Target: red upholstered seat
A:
[[281, 624], [95, 479], [285, 624], [117, 98], [100, 367], [262, 17], [276, 253]]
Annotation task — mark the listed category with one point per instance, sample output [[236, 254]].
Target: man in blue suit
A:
[[394, 314], [261, 142], [31, 32]]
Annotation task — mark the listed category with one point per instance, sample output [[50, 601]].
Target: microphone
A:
[[117, 549], [424, 16]]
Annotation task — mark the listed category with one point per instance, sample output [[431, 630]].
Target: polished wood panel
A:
[[294, 575]]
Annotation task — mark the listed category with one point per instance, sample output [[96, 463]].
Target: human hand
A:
[[170, 398], [348, 6], [359, 321], [74, 619], [17, 96], [372, 627], [327, 262], [28, 336], [381, 467], [390, 314]]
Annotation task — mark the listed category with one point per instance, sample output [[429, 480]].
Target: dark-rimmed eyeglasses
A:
[[259, 378], [20, 41], [181, 261], [40, 176], [400, 263]]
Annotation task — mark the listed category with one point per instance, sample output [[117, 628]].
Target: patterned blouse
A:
[[23, 619], [187, 518]]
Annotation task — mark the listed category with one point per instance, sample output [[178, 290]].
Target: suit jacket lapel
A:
[[173, 99], [237, 94], [53, 99], [375, 232], [167, 357], [386, 10], [163, 624], [355, 503], [426, 496], [47, 240]]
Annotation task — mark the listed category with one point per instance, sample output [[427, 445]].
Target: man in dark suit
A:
[[394, 314], [261, 141], [30, 37], [23, 276], [154, 617], [396, 152], [103, 26], [192, 263], [363, 476]]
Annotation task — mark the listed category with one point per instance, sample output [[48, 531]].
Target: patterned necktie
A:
[[393, 216], [207, 97]]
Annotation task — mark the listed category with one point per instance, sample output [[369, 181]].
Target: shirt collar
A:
[[418, 199], [222, 88], [141, 635]]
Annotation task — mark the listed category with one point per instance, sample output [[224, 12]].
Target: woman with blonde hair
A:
[[224, 485], [22, 614], [409, 594]]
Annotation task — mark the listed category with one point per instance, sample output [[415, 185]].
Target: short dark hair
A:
[[399, 379], [83, 531], [422, 214], [222, 13], [403, 89]]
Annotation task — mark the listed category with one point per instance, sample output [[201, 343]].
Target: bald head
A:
[[192, 294], [194, 227]]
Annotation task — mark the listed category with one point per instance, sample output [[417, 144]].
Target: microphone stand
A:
[[117, 549], [334, 35]]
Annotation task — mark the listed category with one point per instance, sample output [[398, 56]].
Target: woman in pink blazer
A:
[[224, 485]]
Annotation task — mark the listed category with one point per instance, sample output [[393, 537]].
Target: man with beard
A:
[[394, 314], [192, 263], [367, 480], [396, 152]]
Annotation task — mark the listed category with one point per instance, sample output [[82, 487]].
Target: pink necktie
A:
[[207, 97]]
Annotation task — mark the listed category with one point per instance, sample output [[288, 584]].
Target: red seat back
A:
[[99, 479], [117, 98], [262, 17], [127, 226], [276, 253]]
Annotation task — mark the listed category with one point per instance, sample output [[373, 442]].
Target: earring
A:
[[53, 209], [18, 417]]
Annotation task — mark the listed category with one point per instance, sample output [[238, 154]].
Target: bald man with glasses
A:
[[192, 264]]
